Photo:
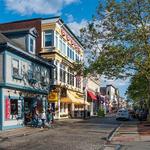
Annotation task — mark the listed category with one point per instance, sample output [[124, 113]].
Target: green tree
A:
[[118, 39]]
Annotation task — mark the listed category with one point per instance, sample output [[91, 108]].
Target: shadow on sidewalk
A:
[[144, 128]]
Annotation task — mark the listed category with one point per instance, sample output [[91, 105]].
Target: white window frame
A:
[[33, 38], [44, 38]]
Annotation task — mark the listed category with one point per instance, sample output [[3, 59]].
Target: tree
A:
[[138, 90], [118, 38]]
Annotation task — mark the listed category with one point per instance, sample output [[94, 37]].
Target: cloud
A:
[[117, 83], [27, 7], [122, 85], [70, 18], [76, 26]]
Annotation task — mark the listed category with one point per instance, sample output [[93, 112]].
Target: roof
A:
[[7, 42], [17, 21], [69, 30], [55, 17]]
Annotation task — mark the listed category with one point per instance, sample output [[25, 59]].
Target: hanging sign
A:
[[7, 108], [53, 97]]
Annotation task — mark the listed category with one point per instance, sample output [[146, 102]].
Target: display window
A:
[[13, 109]]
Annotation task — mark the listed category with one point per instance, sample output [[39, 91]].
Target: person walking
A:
[[49, 116], [43, 118]]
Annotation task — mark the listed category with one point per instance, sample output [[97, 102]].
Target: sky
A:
[[75, 13]]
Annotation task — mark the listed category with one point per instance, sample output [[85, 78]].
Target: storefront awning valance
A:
[[91, 95], [76, 99], [65, 100]]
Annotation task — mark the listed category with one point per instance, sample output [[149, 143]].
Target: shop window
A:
[[13, 108]]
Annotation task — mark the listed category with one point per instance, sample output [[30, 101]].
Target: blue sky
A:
[[76, 13]]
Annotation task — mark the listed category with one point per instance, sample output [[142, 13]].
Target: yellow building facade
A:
[[62, 48]]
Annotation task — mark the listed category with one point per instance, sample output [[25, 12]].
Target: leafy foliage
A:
[[119, 41]]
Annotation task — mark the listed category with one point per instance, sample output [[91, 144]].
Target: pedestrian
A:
[[49, 115], [53, 113], [43, 118], [35, 116]]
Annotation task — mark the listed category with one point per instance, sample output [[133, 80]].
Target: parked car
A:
[[132, 113], [123, 114]]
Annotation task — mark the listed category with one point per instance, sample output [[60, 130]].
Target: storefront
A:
[[92, 99], [71, 104], [17, 104]]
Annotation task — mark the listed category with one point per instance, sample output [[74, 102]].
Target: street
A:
[[75, 134], [79, 134]]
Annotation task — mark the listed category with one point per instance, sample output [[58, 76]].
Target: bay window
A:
[[48, 38], [62, 73], [57, 40], [70, 77], [78, 82]]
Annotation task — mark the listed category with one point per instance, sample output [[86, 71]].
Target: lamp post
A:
[[85, 96]]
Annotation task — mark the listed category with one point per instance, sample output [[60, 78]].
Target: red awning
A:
[[91, 95]]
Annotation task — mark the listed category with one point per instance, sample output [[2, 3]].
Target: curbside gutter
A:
[[111, 135]]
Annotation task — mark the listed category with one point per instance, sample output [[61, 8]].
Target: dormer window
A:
[[31, 45]]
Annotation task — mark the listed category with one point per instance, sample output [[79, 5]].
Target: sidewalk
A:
[[24, 131], [133, 136]]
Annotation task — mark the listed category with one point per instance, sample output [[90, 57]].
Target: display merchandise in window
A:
[[13, 108]]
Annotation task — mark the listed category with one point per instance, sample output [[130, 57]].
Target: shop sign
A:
[[7, 108], [53, 96]]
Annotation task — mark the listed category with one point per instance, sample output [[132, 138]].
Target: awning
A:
[[65, 100], [91, 95], [76, 99]]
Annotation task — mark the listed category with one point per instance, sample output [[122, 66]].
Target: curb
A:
[[111, 135]]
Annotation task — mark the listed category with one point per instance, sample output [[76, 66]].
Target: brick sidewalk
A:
[[132, 133]]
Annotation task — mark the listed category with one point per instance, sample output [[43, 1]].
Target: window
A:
[[77, 57], [62, 73], [64, 48], [60, 44], [57, 40], [70, 77], [68, 49], [31, 44], [48, 38], [13, 108], [78, 82], [15, 67]]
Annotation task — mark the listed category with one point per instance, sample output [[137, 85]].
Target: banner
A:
[[7, 108]]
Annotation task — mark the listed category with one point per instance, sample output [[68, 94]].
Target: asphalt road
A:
[[75, 134]]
